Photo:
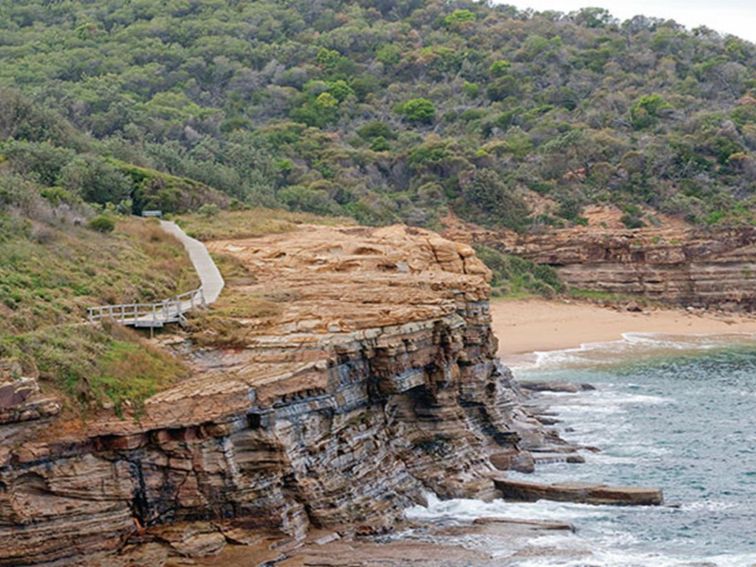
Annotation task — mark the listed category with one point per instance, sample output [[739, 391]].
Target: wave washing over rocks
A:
[[671, 412]]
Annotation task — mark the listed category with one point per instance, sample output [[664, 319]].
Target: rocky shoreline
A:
[[454, 542], [317, 413]]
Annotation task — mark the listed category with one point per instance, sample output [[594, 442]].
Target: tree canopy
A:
[[385, 111]]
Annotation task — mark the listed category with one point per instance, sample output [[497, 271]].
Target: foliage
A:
[[515, 277], [276, 104], [499, 68], [96, 180], [488, 198], [633, 217], [51, 270], [102, 223], [418, 110], [93, 367], [459, 18], [208, 210], [646, 110]]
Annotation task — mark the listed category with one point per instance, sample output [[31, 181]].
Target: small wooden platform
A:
[[150, 315]]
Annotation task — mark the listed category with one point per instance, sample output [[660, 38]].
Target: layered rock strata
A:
[[344, 373], [703, 268], [584, 493]]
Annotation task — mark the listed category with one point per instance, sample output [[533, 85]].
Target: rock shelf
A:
[[578, 492]]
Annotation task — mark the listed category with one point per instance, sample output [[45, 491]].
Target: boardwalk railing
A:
[[150, 314], [155, 315]]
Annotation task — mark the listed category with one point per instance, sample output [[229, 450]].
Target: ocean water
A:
[[677, 413]]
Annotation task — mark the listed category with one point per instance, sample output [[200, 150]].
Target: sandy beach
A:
[[525, 326]]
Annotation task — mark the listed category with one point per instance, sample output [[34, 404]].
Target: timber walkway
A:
[[172, 310]]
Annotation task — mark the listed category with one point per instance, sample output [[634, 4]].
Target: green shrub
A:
[[102, 223], [646, 110], [41, 161], [633, 217], [418, 110], [471, 89], [208, 210], [459, 18], [380, 144], [499, 68], [298, 198], [389, 54], [340, 90], [488, 199], [96, 180], [515, 276], [376, 129], [58, 196], [502, 87]]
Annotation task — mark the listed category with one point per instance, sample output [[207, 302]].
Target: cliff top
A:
[[292, 302], [343, 279]]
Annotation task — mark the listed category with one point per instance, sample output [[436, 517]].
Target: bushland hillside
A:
[[383, 111]]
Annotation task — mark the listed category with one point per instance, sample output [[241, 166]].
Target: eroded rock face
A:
[[368, 378], [684, 266]]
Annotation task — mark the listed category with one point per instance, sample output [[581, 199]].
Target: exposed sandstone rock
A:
[[540, 524], [198, 539], [20, 399], [579, 492], [714, 267], [367, 376], [520, 461]]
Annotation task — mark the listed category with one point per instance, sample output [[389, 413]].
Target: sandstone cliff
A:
[[344, 372], [699, 267]]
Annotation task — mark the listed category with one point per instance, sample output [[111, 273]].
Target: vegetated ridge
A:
[[385, 112]]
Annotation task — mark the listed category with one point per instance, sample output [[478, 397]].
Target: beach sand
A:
[[525, 326]]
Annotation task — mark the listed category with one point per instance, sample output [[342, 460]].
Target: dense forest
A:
[[383, 111]]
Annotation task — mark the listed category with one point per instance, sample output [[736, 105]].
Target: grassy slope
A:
[[49, 274]]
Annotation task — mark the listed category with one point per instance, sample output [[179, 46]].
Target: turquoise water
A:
[[679, 414]]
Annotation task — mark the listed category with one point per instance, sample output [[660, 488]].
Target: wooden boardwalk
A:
[[172, 310]]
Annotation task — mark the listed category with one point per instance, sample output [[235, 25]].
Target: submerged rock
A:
[[549, 386]]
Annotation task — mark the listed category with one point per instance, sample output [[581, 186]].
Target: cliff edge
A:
[[343, 373]]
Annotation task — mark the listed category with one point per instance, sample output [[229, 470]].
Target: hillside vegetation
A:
[[57, 257], [383, 111]]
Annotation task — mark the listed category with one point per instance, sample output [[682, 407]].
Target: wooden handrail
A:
[[170, 310], [167, 311]]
